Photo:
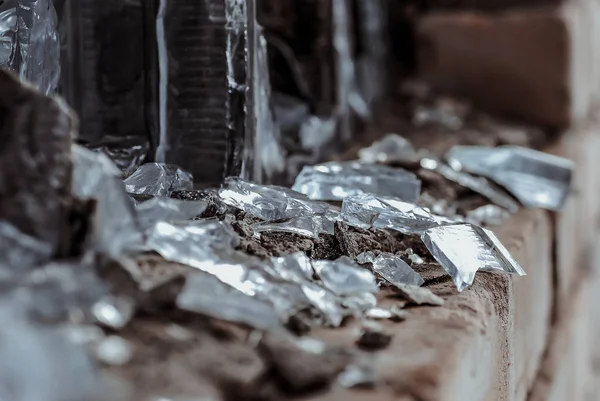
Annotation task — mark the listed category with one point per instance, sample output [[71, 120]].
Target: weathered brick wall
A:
[[536, 63]]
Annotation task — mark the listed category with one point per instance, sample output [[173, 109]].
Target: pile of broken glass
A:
[[140, 216], [372, 196]]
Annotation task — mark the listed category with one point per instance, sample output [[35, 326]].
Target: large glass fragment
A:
[[464, 249], [298, 268], [536, 179], [392, 268], [168, 210], [393, 148], [207, 295], [116, 229], [208, 246], [158, 179], [338, 180], [475, 184], [344, 277], [41, 363], [269, 202], [37, 57], [294, 267], [366, 211], [310, 226], [264, 156]]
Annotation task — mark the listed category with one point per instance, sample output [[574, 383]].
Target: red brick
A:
[[537, 64]]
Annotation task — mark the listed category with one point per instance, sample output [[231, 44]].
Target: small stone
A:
[[359, 375], [304, 366], [179, 333], [394, 313], [114, 351], [419, 295], [373, 336], [378, 314], [113, 312], [399, 315]]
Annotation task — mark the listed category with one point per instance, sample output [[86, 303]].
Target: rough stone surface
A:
[[537, 64], [505, 319], [435, 354], [531, 305]]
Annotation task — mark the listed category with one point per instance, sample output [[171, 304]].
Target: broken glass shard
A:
[[113, 311], [366, 211], [297, 268], [344, 277], [168, 210], [463, 249], [37, 57], [192, 243], [115, 226], [413, 257], [207, 295], [268, 154], [475, 184], [39, 362], [395, 270], [293, 267], [325, 302], [309, 226], [393, 148], [536, 179], [114, 351], [365, 257], [158, 179], [489, 215], [268, 202], [127, 153], [8, 32], [418, 295], [360, 302], [286, 297], [338, 180]]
